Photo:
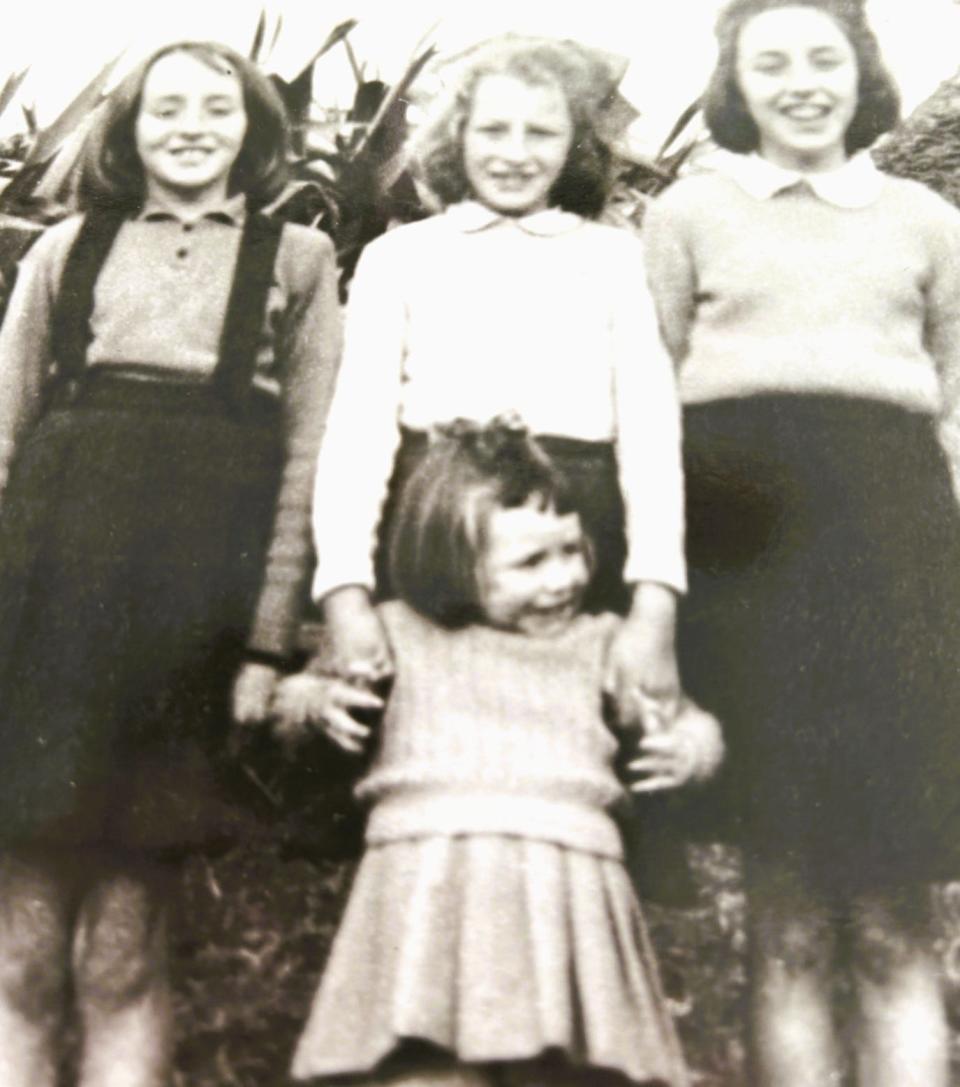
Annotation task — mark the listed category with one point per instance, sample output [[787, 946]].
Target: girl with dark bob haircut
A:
[[585, 84], [112, 173], [440, 527], [492, 795], [727, 117]]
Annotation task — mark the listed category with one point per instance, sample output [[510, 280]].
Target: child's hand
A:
[[642, 672], [305, 702], [253, 691], [359, 649], [686, 750]]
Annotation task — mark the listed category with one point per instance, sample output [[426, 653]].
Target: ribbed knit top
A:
[[792, 293], [491, 732]]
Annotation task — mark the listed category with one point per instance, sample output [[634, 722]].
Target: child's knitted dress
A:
[[491, 915]]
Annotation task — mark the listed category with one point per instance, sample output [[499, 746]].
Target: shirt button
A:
[[181, 253], [187, 227]]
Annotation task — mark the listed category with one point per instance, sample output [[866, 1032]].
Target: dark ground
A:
[[252, 927]]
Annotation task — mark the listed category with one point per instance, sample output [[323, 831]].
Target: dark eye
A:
[[531, 562]]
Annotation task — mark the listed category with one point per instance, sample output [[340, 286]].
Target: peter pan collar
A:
[[471, 217], [855, 184], [232, 211]]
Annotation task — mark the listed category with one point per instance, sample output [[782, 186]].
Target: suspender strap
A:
[[71, 314], [246, 308]]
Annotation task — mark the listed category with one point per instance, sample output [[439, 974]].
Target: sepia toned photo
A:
[[480, 544]]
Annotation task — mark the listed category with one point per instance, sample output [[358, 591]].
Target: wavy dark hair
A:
[[439, 532], [586, 86], [726, 113], [112, 173]]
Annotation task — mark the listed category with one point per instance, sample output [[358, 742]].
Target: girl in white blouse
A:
[[512, 299]]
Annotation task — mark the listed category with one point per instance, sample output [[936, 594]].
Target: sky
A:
[[668, 43]]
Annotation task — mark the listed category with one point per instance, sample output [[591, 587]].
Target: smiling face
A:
[[515, 143], [534, 570], [189, 129], [798, 75]]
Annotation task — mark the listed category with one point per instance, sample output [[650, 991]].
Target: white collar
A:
[[855, 184], [471, 217]]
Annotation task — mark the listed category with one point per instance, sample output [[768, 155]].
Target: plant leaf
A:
[[414, 68], [51, 137], [337, 35], [11, 87], [258, 35], [679, 125]]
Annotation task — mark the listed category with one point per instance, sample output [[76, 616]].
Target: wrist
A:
[[277, 661], [346, 602], [655, 605]]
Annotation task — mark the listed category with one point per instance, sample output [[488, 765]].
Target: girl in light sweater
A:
[[492, 936], [511, 299], [813, 309]]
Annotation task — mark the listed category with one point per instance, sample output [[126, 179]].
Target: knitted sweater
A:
[[794, 293], [491, 732]]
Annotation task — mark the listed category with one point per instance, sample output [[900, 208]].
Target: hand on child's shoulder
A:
[[305, 703], [687, 750]]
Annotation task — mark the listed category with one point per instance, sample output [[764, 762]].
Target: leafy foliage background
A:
[[252, 925]]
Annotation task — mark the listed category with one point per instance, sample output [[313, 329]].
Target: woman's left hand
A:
[[253, 692], [642, 674], [690, 750]]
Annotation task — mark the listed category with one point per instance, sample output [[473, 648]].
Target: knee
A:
[[800, 946], [33, 940], [886, 944], [119, 945]]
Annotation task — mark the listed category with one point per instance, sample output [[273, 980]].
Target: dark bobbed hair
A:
[[726, 113], [439, 531], [586, 86], [112, 173]]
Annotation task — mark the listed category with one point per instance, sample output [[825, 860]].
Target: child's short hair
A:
[[586, 86], [439, 530], [112, 172], [726, 114]]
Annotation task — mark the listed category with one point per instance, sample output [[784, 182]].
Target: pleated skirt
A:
[[491, 949]]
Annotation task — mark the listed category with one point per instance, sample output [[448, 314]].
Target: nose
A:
[[802, 79], [190, 122], [514, 146]]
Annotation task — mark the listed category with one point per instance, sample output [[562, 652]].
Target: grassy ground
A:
[[254, 924]]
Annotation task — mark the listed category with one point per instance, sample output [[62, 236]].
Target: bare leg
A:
[[792, 954], [120, 970], [34, 958], [902, 1037]]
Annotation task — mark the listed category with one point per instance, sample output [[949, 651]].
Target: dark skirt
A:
[[132, 544], [821, 627]]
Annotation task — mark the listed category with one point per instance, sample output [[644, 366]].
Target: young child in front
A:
[[165, 364], [492, 935], [512, 299]]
